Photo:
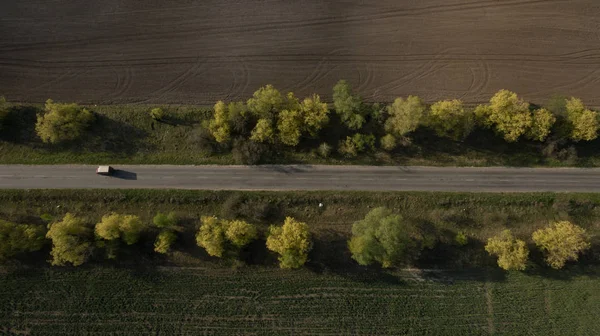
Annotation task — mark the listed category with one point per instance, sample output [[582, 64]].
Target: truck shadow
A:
[[124, 174]]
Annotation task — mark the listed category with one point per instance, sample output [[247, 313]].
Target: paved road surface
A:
[[304, 177]]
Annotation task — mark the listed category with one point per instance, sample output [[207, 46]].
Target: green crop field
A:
[[258, 301], [451, 290]]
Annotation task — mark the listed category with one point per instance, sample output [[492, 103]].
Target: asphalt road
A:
[[304, 177]]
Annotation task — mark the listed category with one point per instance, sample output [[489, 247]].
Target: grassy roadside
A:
[[126, 134], [453, 291]]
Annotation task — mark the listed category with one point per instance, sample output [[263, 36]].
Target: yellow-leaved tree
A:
[[70, 241], [126, 227], [512, 253], [291, 241], [219, 126], [448, 118], [18, 238], [62, 122], [583, 122], [404, 116], [218, 236], [561, 241]]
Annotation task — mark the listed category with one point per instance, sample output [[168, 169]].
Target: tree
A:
[[263, 131], [315, 114], [561, 242], [291, 241], [385, 238], [449, 119], [541, 123], [388, 142], [348, 105], [289, 126], [356, 144], [507, 114], [62, 122], [218, 236], [164, 220], [70, 241], [157, 114], [240, 233], [219, 125], [114, 226], [404, 116], [19, 238], [164, 240], [583, 122], [512, 253]]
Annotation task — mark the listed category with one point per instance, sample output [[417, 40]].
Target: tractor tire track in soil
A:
[[196, 53]]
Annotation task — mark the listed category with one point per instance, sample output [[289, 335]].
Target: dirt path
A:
[[181, 51]]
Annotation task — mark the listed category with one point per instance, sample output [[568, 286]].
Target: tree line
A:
[[271, 119], [381, 237]]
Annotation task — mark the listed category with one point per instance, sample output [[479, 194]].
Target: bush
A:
[[164, 240], [388, 142], [512, 253], [324, 150], [356, 144], [461, 239], [291, 241], [157, 114], [70, 241], [561, 242], [62, 122], [248, 152], [218, 236], [164, 220]]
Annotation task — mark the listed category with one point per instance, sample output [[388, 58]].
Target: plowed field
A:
[[183, 51]]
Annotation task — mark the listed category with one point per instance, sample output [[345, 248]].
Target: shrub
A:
[[561, 242], [388, 142], [157, 114], [62, 122], [356, 144], [324, 150], [461, 239], [218, 236], [291, 241], [164, 220], [164, 240], [248, 152], [512, 253]]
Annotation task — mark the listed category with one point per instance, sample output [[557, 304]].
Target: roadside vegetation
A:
[[369, 262], [276, 127]]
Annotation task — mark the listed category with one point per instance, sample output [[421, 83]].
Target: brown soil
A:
[[183, 51]]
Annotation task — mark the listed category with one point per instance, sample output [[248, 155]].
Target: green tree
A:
[[157, 114], [561, 241], [115, 226], [385, 238], [512, 253], [356, 144], [62, 122], [507, 114], [541, 123], [289, 126], [70, 241], [348, 105], [291, 241], [388, 142], [448, 118], [164, 240], [19, 238], [315, 114], [164, 220], [263, 131], [404, 116], [583, 122]]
